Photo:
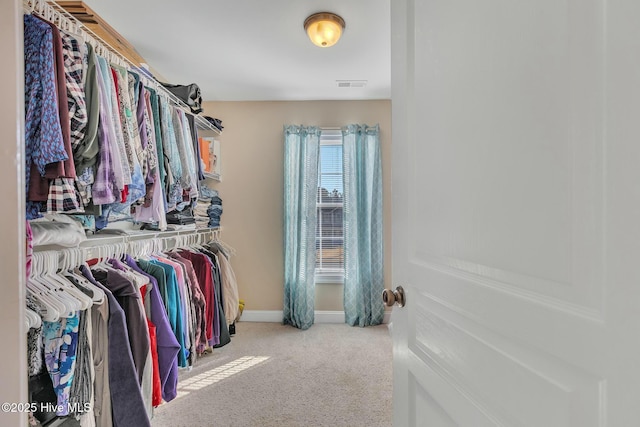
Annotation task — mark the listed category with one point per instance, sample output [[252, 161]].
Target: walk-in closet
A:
[[128, 278], [309, 213], [163, 261]]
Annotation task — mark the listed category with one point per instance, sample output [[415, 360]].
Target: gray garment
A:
[[35, 348], [128, 406], [81, 394], [147, 376], [100, 352], [82, 387], [86, 154], [146, 387]]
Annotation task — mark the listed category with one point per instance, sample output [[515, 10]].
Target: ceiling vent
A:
[[351, 83]]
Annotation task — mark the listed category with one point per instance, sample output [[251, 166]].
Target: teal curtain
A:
[[363, 235], [301, 154]]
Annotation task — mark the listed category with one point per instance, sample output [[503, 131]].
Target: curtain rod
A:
[[51, 11]]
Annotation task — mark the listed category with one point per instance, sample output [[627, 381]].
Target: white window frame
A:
[[329, 275]]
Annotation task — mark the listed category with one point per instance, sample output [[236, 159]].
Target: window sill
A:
[[326, 279]]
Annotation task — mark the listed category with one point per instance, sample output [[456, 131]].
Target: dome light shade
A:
[[324, 28]]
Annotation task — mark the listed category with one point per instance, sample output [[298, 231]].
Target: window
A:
[[329, 231]]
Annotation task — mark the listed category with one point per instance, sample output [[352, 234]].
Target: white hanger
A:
[[58, 286], [29, 6], [51, 307], [32, 318], [43, 291], [98, 294], [84, 299], [103, 252], [73, 259], [72, 303]]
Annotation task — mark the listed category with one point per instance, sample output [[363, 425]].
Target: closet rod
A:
[[134, 245], [141, 236], [57, 15]]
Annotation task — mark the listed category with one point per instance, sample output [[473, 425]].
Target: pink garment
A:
[[29, 248]]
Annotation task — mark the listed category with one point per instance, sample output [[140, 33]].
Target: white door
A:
[[516, 211]]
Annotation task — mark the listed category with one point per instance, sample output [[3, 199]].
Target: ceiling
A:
[[257, 50]]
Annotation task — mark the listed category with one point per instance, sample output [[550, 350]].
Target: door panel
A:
[[505, 171], [503, 177], [427, 408]]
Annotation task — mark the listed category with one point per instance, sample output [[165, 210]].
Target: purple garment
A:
[[127, 403], [168, 346], [140, 107]]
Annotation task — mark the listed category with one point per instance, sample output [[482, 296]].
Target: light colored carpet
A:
[[275, 375]]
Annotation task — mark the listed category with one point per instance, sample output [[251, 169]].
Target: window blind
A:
[[329, 229]]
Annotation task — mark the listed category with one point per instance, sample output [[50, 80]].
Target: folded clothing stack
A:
[[200, 214], [183, 217], [209, 209], [57, 229], [216, 123], [215, 211]]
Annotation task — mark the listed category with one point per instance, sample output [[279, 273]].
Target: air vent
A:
[[351, 83]]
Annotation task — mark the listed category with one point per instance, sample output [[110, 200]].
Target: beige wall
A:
[[252, 187], [13, 378]]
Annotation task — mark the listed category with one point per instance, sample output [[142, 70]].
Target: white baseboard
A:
[[328, 317], [387, 317], [272, 316], [275, 316]]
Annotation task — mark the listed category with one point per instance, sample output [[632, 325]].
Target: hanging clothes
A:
[[127, 403], [204, 276], [174, 310], [199, 303], [60, 341], [128, 297], [43, 133], [167, 346], [85, 150]]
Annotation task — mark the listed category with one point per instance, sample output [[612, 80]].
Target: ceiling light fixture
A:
[[324, 28]]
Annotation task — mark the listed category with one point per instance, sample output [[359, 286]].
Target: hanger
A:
[[84, 299], [51, 307], [103, 253], [73, 29], [33, 320], [72, 258], [138, 279], [225, 248], [140, 250], [29, 6], [44, 291], [62, 288]]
